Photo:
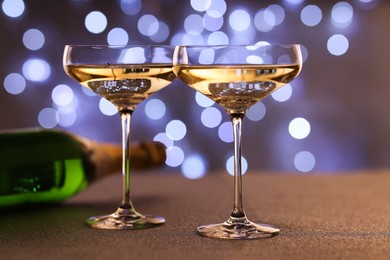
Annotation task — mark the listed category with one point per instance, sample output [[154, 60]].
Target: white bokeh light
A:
[[200, 5], [256, 112], [212, 23], [217, 8], [230, 165], [225, 132], [207, 56], [211, 117], [278, 13], [13, 8], [148, 25], [342, 14], [155, 109], [33, 39], [337, 44], [95, 22], [131, 7], [193, 24], [164, 138], [133, 55], [203, 100], [304, 161], [161, 34], [218, 38], [88, 91], [264, 20], [239, 20], [36, 70], [117, 36], [48, 118], [294, 2], [282, 94], [62, 95], [299, 128], [176, 130], [66, 116], [311, 15], [175, 156], [107, 108], [193, 167], [14, 83]]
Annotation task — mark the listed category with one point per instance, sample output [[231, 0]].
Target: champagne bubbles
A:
[[95, 22]]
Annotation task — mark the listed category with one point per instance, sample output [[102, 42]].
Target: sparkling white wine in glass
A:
[[237, 77], [125, 76], [237, 87], [125, 86]]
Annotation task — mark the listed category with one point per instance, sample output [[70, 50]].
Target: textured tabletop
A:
[[344, 216]]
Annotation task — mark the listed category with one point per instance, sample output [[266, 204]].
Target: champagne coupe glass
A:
[[236, 77], [125, 76]]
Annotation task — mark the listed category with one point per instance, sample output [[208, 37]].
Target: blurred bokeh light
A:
[[331, 119]]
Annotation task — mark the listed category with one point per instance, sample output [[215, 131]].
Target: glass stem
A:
[[125, 118], [238, 208]]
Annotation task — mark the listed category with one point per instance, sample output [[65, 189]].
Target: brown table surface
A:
[[321, 216]]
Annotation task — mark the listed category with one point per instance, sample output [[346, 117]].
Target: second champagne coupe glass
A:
[[125, 76], [237, 77]]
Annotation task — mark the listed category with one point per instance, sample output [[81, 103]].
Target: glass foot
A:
[[238, 229], [125, 219]]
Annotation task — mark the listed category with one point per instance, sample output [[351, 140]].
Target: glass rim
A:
[[239, 45], [116, 45]]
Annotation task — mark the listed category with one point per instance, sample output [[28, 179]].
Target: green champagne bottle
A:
[[48, 166]]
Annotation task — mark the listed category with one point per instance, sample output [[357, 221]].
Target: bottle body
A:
[[48, 166], [42, 167]]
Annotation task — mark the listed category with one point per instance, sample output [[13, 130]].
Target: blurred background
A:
[[333, 118]]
